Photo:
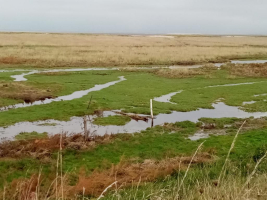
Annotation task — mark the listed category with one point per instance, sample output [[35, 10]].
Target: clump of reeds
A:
[[247, 70], [178, 73]]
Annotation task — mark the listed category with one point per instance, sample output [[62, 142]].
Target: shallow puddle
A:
[[234, 84], [166, 98], [248, 61], [249, 102], [258, 95], [75, 125], [198, 135], [74, 95]]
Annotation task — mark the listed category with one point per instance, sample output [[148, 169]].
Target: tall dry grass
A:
[[247, 70], [111, 50]]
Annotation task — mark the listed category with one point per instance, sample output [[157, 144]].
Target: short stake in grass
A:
[[86, 132], [151, 111]]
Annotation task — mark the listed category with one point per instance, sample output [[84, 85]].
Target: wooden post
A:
[[151, 111]]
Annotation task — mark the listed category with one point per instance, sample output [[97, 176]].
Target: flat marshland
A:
[[81, 50], [206, 143]]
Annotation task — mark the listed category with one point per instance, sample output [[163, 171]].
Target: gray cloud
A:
[[139, 16]]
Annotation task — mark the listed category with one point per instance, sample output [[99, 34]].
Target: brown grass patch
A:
[[24, 189], [68, 50], [55, 73], [178, 73], [127, 173], [133, 69], [257, 123], [15, 60], [21, 91], [44, 147], [247, 70], [206, 70]]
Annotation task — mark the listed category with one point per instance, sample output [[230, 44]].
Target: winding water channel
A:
[[21, 77], [74, 95], [75, 125]]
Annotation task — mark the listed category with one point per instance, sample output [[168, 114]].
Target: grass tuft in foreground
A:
[[159, 162]]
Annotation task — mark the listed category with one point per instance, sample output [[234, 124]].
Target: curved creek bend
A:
[[75, 125]]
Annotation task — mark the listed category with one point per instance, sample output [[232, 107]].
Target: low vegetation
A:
[[152, 163], [112, 120], [132, 95], [23, 92], [161, 162], [76, 50], [252, 70], [183, 72], [30, 136]]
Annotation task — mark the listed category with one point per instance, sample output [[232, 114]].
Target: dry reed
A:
[[66, 50], [228, 155]]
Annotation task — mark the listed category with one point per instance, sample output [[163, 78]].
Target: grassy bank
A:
[[124, 151]]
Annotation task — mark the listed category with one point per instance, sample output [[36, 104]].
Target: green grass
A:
[[112, 120], [6, 102], [157, 143], [5, 76], [31, 135], [48, 124], [133, 94], [154, 143]]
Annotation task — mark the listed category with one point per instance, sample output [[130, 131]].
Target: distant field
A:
[[82, 50]]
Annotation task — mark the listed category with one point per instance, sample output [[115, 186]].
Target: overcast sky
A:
[[135, 16]]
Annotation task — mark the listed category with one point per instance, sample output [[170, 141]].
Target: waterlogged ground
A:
[[142, 158], [190, 107], [63, 95]]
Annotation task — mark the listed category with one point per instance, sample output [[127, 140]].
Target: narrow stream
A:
[[167, 97], [21, 77], [75, 125], [74, 95]]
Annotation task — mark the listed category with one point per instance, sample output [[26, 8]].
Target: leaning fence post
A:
[[151, 112]]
